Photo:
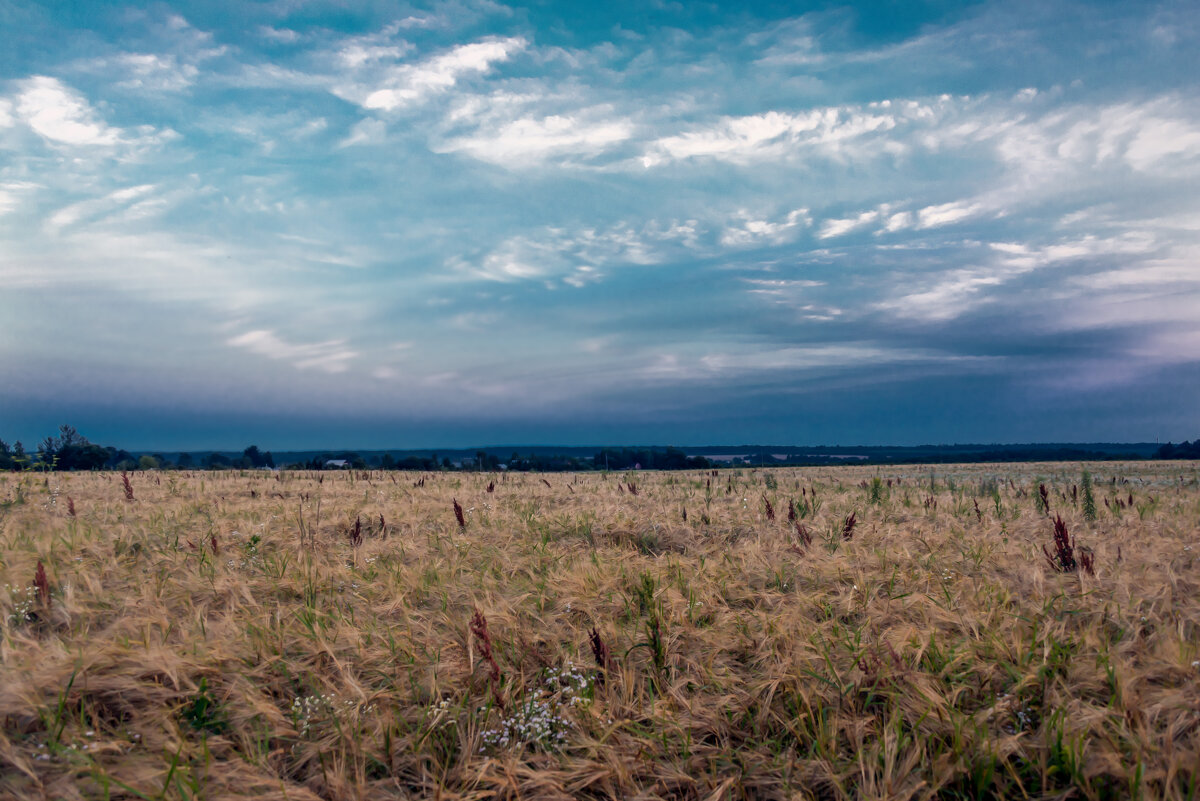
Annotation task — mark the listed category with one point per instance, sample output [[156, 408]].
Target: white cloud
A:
[[831, 132], [59, 114], [529, 141], [898, 222], [284, 35], [948, 294], [580, 256], [748, 231], [331, 357], [832, 228], [403, 85], [11, 192], [1161, 139], [365, 132], [87, 209], [357, 54], [152, 72], [946, 214]]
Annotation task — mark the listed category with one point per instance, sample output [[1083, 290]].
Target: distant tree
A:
[[147, 462], [253, 457], [388, 462], [118, 457], [185, 460]]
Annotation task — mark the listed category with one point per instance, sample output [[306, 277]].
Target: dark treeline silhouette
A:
[[70, 450], [1184, 450]]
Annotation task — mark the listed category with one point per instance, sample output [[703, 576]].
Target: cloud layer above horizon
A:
[[390, 225]]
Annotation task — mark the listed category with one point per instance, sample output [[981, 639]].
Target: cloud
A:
[[398, 86], [749, 232], [331, 357], [11, 194], [946, 214], [839, 227], [529, 141], [948, 294], [585, 255], [75, 212], [61, 115], [775, 134], [365, 132], [146, 72]]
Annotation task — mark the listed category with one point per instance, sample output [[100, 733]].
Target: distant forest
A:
[[70, 450]]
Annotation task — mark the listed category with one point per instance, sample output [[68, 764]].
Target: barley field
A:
[[858, 632]]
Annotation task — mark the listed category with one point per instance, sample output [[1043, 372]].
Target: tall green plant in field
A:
[[1089, 501]]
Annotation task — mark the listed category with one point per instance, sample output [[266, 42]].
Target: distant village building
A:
[[336, 464]]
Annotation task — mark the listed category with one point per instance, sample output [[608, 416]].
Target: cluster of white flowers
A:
[[249, 563], [52, 499], [310, 710], [44, 754], [23, 601], [539, 720]]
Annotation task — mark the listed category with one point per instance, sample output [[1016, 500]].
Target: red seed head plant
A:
[[978, 512], [848, 527], [770, 508], [600, 651], [458, 514], [1087, 561], [491, 486], [1063, 558], [633, 490], [1045, 495], [42, 584], [382, 526], [547, 483], [803, 534], [355, 533], [70, 507], [791, 511], [685, 514], [128, 486], [212, 541], [479, 629]]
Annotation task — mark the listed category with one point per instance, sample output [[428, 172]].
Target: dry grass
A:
[[236, 636]]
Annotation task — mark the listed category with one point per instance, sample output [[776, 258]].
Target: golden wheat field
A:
[[621, 635]]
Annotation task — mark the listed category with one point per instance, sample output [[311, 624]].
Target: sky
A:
[[390, 225]]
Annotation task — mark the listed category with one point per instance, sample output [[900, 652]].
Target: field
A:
[[623, 635]]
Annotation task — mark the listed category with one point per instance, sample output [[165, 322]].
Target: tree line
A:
[[70, 450]]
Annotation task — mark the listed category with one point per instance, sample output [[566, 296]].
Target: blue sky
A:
[[308, 224]]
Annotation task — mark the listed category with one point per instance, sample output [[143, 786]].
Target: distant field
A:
[[303, 635]]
